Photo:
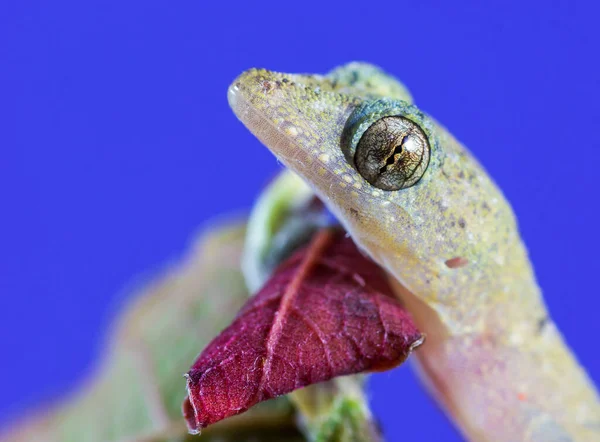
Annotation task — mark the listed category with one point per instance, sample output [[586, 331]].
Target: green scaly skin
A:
[[493, 357]]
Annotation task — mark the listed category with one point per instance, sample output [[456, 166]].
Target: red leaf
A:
[[327, 311]]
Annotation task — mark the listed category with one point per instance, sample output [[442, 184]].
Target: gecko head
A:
[[409, 194]]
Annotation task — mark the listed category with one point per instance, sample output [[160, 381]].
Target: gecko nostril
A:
[[266, 86]]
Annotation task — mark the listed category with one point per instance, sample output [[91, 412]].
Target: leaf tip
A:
[[417, 343], [190, 413]]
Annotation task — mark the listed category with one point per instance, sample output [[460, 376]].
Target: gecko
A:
[[416, 201]]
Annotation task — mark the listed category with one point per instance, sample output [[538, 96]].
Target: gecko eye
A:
[[393, 153]]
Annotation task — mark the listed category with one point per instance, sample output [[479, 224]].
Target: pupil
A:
[[392, 158]]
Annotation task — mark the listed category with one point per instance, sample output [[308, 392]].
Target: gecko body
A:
[[429, 214]]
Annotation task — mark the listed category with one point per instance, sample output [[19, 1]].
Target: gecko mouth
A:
[[250, 108], [293, 121]]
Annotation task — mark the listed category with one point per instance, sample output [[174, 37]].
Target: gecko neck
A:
[[498, 382]]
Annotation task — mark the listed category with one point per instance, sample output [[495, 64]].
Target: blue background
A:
[[115, 122]]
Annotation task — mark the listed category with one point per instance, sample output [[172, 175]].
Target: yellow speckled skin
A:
[[493, 357]]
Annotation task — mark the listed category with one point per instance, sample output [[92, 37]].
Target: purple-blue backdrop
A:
[[115, 122]]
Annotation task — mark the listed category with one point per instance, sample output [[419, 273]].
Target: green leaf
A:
[[336, 411], [138, 389], [285, 194]]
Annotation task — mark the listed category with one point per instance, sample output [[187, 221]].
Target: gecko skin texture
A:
[[493, 358]]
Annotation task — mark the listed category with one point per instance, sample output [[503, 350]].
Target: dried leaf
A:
[[285, 217], [327, 311]]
